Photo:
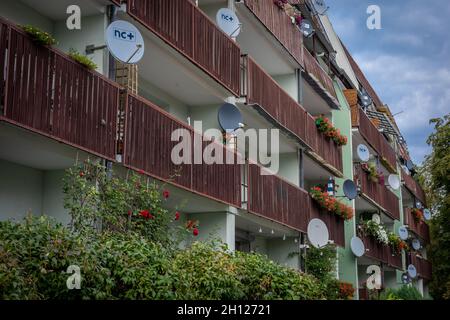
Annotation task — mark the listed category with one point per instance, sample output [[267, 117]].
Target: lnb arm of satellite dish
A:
[[239, 28], [138, 47]]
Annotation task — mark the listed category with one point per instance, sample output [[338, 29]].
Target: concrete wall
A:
[[20, 13], [53, 196], [280, 250], [216, 226], [289, 83], [290, 168]]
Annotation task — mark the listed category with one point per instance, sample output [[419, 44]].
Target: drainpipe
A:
[[111, 16]]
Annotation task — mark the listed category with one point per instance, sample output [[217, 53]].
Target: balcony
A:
[[414, 187], [381, 253], [280, 26], [379, 194], [148, 147], [273, 198], [188, 30], [263, 91], [419, 228], [376, 140], [44, 91], [423, 266], [319, 79]]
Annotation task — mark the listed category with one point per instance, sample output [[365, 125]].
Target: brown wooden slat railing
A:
[[419, 228], [186, 28], [49, 93], [280, 25], [148, 147], [379, 194], [375, 250], [370, 132], [394, 260], [116, 2], [423, 266], [266, 93], [313, 67], [414, 187], [274, 198]]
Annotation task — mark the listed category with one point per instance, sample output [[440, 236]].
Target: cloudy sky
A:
[[407, 61]]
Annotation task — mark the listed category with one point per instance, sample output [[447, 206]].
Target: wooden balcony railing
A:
[[374, 249], [379, 194], [319, 75], [394, 260], [187, 29], [46, 92], [413, 186], [419, 228], [274, 198], [148, 146], [263, 91], [280, 25], [371, 134], [423, 266]]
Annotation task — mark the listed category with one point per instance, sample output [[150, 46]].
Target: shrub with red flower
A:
[[280, 3], [166, 194], [325, 126], [417, 214], [331, 204], [146, 214], [346, 290], [177, 216]]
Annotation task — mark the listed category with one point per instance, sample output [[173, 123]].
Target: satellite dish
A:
[[318, 233], [228, 22], [350, 189], [376, 218], [125, 42], [320, 6], [427, 214], [412, 271], [366, 100], [229, 116], [419, 205], [405, 278], [410, 165], [394, 181], [403, 232], [363, 152], [357, 246], [416, 244], [306, 28]]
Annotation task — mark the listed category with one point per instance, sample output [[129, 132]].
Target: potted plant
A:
[[82, 59], [417, 214], [39, 36], [331, 204], [375, 230]]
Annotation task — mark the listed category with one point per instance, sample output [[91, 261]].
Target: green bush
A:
[[403, 293], [39, 36], [82, 59]]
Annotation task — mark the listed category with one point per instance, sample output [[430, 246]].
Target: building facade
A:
[[55, 113]]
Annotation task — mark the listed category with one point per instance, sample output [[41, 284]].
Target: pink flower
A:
[[195, 232]]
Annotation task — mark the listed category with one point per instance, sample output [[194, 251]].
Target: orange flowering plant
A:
[[397, 244], [346, 290], [326, 127], [417, 214], [331, 204]]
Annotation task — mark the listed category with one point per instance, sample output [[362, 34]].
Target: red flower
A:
[[141, 172], [195, 232], [177, 216], [81, 174], [130, 213], [150, 216], [166, 194], [144, 213]]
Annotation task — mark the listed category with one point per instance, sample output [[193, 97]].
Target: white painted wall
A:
[[289, 83], [20, 190], [53, 196], [278, 250], [20, 13], [289, 167], [216, 226]]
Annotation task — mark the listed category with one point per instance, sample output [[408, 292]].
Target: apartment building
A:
[[54, 113]]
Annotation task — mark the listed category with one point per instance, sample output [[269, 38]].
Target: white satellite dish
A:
[[427, 214], [416, 244], [363, 152], [412, 271], [403, 232], [318, 233], [366, 100], [376, 218], [125, 42], [357, 246], [228, 22], [306, 28], [394, 181], [320, 6]]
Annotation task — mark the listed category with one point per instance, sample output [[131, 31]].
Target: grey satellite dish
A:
[[412, 271], [228, 22], [350, 189], [410, 165], [376, 218], [318, 233], [416, 244], [320, 6], [306, 28], [427, 214], [357, 246], [419, 205], [125, 42], [366, 100], [405, 278], [363, 152], [403, 232], [394, 181], [230, 118]]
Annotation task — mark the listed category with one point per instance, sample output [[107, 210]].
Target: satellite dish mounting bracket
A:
[[90, 49]]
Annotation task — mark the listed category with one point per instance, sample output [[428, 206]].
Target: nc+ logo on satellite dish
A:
[[124, 35], [227, 17]]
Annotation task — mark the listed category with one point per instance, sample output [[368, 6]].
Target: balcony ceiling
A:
[[56, 10], [251, 224], [312, 102]]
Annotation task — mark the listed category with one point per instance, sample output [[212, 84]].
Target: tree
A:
[[435, 176]]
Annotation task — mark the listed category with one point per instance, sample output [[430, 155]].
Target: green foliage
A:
[[435, 176], [39, 36], [82, 59], [403, 293]]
